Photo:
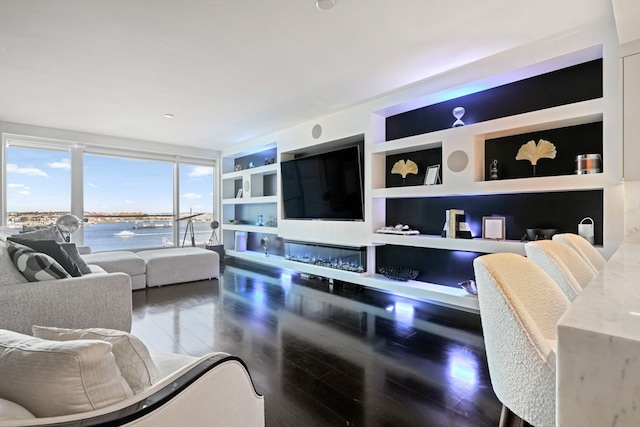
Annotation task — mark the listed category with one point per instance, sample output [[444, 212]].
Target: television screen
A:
[[324, 186]]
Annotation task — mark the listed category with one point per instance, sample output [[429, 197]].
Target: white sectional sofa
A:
[[99, 299], [158, 267]]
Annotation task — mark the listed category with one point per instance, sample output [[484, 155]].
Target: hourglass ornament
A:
[[458, 112]]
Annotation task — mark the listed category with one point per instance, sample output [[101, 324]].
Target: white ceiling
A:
[[231, 70]]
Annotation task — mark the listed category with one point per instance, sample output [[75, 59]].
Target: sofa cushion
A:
[[54, 250], [35, 266], [72, 250], [48, 233], [8, 270], [132, 356], [52, 378], [6, 232], [11, 411]]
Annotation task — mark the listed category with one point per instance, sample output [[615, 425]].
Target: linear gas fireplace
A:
[[352, 259]]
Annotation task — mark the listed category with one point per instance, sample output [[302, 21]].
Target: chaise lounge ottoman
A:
[[121, 261], [177, 265]]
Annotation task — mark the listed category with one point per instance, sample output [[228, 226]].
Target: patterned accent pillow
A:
[[132, 356], [35, 266], [72, 250], [54, 250]]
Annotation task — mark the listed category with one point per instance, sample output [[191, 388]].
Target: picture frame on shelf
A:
[[493, 228], [432, 176], [239, 194]]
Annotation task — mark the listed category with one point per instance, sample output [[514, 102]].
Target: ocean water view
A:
[[127, 235]]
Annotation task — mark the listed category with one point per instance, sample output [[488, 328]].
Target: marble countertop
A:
[[598, 358], [610, 303]]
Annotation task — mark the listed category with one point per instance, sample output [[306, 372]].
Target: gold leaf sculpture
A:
[[404, 168], [532, 152]]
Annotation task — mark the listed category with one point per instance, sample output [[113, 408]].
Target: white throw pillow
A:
[[52, 378], [11, 411], [132, 356]]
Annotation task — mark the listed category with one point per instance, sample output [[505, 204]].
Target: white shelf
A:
[[250, 200], [506, 186], [550, 118], [258, 170], [437, 242], [437, 294], [251, 228]]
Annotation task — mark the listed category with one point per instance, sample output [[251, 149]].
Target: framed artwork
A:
[[431, 177], [493, 228]]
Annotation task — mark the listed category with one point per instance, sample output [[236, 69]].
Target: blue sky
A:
[[40, 180]]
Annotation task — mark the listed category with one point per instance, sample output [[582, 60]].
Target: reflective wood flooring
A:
[[329, 355]]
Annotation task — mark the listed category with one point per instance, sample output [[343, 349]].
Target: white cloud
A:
[[63, 164], [198, 171], [131, 202], [13, 168], [88, 184], [12, 185], [192, 196], [24, 192]]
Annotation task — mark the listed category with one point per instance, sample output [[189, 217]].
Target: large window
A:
[[38, 185], [127, 199], [196, 201], [128, 202]]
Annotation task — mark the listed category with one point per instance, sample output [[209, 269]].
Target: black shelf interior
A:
[[570, 141], [423, 158], [562, 210], [577, 83], [440, 266], [258, 159]]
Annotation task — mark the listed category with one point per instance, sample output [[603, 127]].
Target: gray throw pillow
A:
[[35, 266], [53, 249], [72, 250], [48, 233]]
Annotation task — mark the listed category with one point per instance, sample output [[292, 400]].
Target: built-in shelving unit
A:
[[462, 154], [465, 178], [249, 197]]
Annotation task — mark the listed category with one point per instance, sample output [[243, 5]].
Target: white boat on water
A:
[[125, 233]]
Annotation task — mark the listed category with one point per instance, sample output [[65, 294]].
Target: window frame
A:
[[77, 151]]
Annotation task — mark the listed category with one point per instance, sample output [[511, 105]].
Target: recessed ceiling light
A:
[[168, 116], [325, 4]]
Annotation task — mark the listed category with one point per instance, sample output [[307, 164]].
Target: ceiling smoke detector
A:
[[325, 4]]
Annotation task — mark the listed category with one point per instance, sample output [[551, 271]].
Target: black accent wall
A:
[[570, 141], [562, 210], [565, 86]]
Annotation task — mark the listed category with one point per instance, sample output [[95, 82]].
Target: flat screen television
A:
[[325, 186]]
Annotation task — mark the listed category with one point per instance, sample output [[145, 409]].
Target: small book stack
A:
[[455, 225]]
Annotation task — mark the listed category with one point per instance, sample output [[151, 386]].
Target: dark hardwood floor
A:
[[329, 355]]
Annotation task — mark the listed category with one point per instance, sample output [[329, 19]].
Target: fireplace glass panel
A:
[[338, 257]]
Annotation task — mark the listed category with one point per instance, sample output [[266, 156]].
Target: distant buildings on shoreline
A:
[[47, 218]]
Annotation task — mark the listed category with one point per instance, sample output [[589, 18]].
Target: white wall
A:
[[368, 118]]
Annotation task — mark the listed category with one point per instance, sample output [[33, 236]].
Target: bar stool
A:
[[565, 266], [583, 247], [520, 305]]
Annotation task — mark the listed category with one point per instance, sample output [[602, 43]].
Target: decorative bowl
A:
[[402, 274], [541, 233], [469, 286]]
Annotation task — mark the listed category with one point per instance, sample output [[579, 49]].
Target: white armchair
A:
[[212, 390]]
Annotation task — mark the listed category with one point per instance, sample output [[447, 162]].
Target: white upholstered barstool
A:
[[583, 247], [565, 266], [520, 305]]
